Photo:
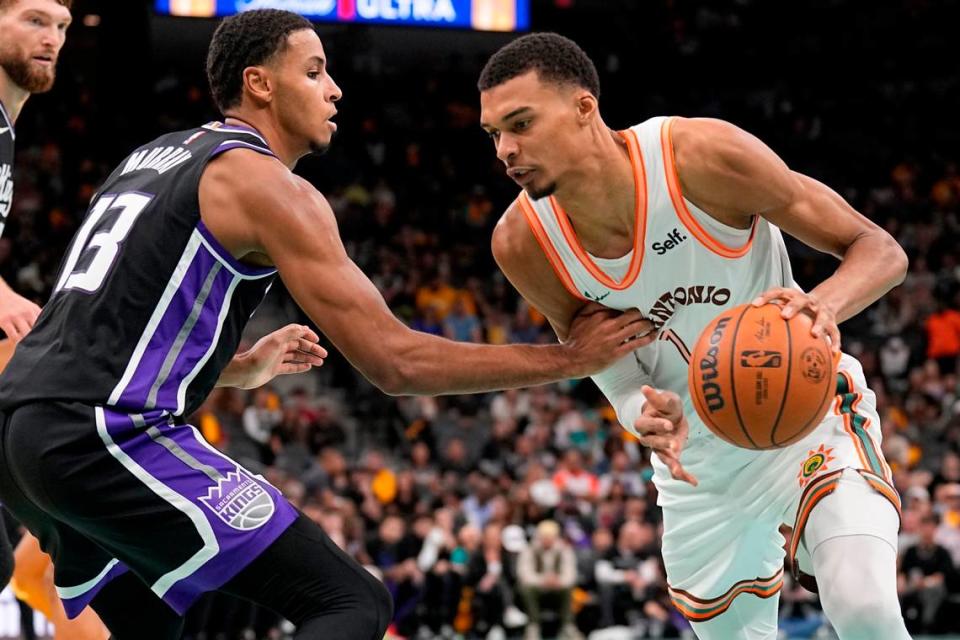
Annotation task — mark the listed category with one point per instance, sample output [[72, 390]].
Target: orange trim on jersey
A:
[[700, 609], [680, 206], [639, 225], [814, 493], [548, 249], [858, 440], [883, 487]]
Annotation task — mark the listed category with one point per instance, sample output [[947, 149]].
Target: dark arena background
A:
[[438, 496]]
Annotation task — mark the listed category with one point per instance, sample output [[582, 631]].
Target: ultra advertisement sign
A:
[[480, 15]]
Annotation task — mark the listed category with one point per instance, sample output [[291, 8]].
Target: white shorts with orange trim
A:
[[722, 538]]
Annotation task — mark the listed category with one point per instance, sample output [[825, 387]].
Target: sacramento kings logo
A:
[[240, 501]]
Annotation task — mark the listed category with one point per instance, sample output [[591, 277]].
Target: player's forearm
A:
[[872, 265], [435, 366]]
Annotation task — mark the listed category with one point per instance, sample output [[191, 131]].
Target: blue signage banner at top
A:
[[480, 15]]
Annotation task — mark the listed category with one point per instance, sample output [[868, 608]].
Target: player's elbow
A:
[[896, 259], [399, 375], [902, 262], [392, 380]]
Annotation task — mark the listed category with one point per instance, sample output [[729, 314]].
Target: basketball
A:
[[759, 381]]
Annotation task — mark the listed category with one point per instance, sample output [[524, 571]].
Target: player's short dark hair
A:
[[554, 57], [5, 4], [246, 40]]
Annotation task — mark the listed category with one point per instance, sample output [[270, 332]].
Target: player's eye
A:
[[313, 75], [522, 125], [494, 135], [37, 22]]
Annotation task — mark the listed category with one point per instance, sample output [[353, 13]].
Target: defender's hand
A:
[[292, 349], [663, 427], [17, 314], [600, 336], [794, 301]]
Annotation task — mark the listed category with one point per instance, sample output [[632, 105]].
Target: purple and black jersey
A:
[[148, 307]]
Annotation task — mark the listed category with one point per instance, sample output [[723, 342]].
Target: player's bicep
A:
[[819, 217], [733, 172]]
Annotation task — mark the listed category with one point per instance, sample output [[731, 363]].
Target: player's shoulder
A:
[[247, 180], [512, 238], [694, 136]]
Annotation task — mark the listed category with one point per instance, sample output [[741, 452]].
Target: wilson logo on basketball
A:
[[240, 501], [708, 369], [762, 359], [815, 366]]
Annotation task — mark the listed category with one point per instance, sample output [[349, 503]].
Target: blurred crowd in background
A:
[[485, 514]]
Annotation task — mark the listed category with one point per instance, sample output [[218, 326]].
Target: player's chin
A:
[[537, 191], [321, 143]]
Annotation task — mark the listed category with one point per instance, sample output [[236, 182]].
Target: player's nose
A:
[[506, 148], [335, 92]]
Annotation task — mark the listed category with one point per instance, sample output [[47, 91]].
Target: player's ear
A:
[[258, 83], [586, 105]]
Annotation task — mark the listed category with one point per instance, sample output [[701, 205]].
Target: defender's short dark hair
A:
[[554, 57], [246, 40]]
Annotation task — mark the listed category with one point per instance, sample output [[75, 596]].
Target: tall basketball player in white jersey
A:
[[681, 219]]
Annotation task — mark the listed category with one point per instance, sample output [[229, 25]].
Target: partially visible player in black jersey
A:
[[31, 35], [179, 246]]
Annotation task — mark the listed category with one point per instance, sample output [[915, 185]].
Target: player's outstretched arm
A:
[[282, 218], [732, 175]]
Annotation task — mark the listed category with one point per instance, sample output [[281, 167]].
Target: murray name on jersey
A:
[[160, 159]]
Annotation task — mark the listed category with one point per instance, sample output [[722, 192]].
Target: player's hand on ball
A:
[[663, 427], [292, 349], [794, 301], [17, 314], [600, 336]]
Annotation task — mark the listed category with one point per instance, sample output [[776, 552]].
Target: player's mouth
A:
[[44, 60], [521, 175], [333, 125]]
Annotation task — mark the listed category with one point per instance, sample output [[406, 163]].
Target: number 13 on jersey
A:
[[98, 240]]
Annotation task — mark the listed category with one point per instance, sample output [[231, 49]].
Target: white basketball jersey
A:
[[684, 269]]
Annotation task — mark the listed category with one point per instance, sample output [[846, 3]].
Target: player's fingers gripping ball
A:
[[759, 381]]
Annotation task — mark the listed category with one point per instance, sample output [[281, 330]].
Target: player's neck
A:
[[271, 133], [12, 95], [599, 196]]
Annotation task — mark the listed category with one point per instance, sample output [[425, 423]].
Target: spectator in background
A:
[[926, 570], [629, 579], [462, 325], [491, 573], [260, 418], [943, 337], [547, 573], [572, 479], [948, 534], [621, 474]]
